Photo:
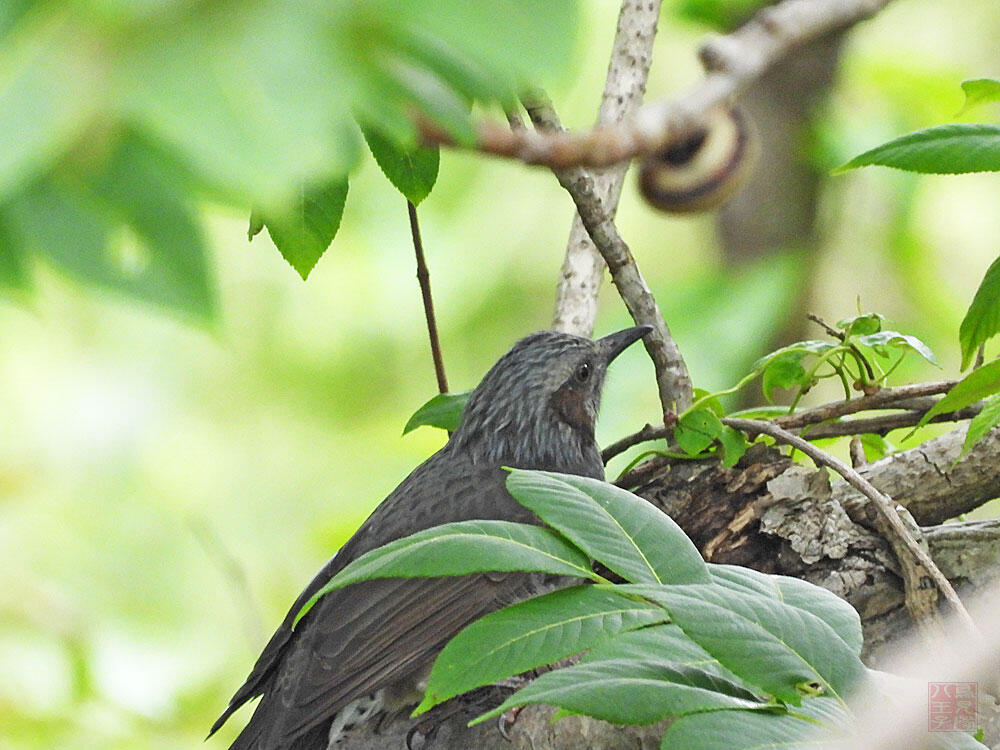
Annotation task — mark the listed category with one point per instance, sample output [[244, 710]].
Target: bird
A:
[[367, 645]]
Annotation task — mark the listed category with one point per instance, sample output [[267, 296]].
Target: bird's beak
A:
[[615, 343]]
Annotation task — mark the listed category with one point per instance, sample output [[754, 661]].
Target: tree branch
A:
[[915, 562], [583, 266], [731, 62]]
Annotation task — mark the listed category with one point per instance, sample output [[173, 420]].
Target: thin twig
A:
[[885, 423], [915, 562], [424, 279], [628, 69], [732, 62], [645, 434], [881, 399]]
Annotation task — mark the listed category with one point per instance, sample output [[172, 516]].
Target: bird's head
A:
[[537, 406]]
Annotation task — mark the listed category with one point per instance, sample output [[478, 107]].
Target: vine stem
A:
[[424, 279]]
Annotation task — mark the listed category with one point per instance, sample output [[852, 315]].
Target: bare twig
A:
[[914, 561], [583, 267], [885, 423], [884, 398], [732, 62], [645, 434], [673, 381], [424, 279]]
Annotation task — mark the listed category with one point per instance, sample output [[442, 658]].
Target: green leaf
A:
[[875, 446], [861, 325], [817, 723], [256, 224], [774, 645], [302, 232], [734, 445], [413, 171], [14, 272], [666, 641], [443, 410], [982, 423], [982, 321], [784, 371], [623, 532], [834, 611], [900, 341], [455, 549], [49, 91], [811, 346], [696, 430], [631, 691], [978, 384], [129, 227], [945, 149], [979, 91], [530, 634]]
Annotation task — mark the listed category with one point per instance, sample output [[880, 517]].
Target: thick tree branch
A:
[[916, 564], [583, 267], [732, 62]]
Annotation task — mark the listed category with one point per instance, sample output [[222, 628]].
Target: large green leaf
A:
[[412, 170], [666, 642], [444, 410], [625, 533], [696, 430], [304, 230], [531, 634], [945, 149], [632, 691], [982, 321], [834, 611], [455, 549], [778, 647], [130, 228], [978, 384], [817, 723]]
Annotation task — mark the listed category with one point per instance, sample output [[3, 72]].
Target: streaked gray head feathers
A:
[[537, 406]]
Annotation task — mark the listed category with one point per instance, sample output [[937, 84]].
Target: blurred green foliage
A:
[[165, 489]]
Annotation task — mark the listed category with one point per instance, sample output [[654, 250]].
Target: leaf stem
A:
[[424, 279]]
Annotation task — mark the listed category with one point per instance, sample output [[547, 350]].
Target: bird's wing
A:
[[374, 633]]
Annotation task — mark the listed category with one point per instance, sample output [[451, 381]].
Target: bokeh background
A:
[[167, 488]]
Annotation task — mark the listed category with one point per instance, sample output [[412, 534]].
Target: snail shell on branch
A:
[[703, 170]]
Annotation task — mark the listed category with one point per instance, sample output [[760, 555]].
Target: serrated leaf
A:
[[444, 411], [773, 645], [530, 634], [978, 384], [455, 549], [631, 691], [696, 430], [817, 723], [784, 371], [957, 148], [861, 325], [982, 321], [734, 445], [979, 91], [623, 532], [413, 171], [900, 341], [982, 423], [303, 231]]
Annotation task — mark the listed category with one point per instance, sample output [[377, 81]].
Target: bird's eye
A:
[[583, 372]]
